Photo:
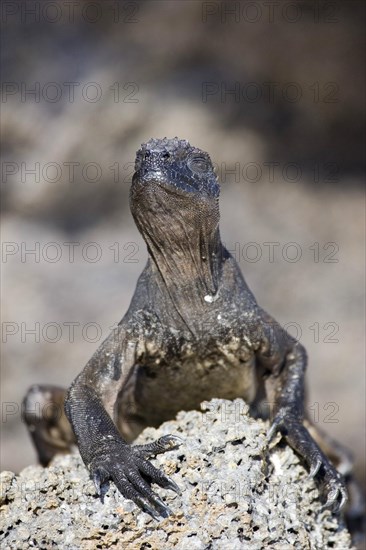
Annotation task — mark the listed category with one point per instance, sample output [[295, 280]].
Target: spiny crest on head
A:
[[176, 145]]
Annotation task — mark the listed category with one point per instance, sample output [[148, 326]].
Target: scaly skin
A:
[[193, 331]]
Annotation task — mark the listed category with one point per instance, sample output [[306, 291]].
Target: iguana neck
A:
[[189, 267]]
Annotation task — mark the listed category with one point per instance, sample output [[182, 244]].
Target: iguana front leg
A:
[[286, 362], [90, 406]]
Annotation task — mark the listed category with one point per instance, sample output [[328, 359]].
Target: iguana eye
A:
[[198, 164]]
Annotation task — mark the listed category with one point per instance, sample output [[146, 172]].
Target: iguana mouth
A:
[[159, 179]]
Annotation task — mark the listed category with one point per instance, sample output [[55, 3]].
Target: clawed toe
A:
[[344, 498], [336, 498], [315, 468], [332, 486], [161, 445], [171, 441], [164, 510], [133, 474], [156, 509], [173, 486], [101, 479]]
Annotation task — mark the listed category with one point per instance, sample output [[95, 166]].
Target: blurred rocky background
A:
[[274, 91]]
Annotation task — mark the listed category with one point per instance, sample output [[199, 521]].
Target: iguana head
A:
[[174, 201], [176, 166]]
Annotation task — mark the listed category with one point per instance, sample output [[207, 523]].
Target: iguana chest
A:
[[178, 377]]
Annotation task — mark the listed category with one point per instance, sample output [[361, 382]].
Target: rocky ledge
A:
[[236, 494]]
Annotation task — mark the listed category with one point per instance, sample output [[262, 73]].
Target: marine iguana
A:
[[193, 331]]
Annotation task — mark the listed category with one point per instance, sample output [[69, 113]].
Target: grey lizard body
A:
[[193, 331]]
